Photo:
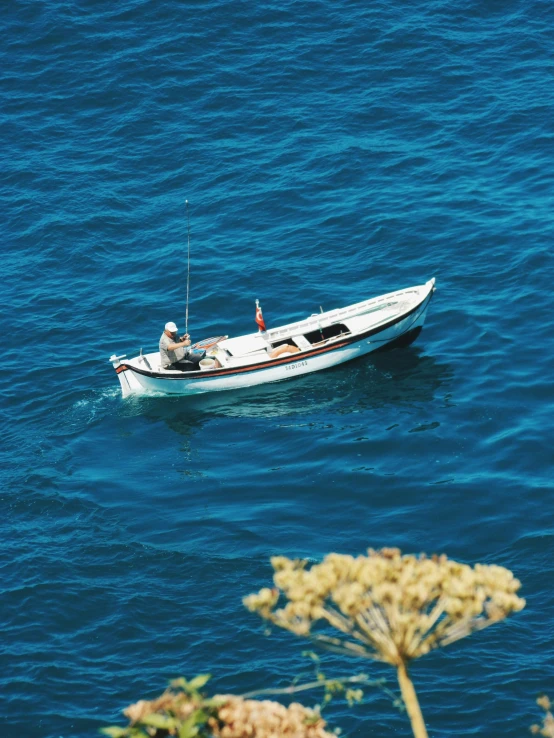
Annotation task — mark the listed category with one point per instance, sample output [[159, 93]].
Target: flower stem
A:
[[320, 683], [410, 700]]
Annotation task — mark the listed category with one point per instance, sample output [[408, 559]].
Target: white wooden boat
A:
[[323, 340]]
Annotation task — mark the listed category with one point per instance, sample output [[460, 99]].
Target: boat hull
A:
[[400, 332]]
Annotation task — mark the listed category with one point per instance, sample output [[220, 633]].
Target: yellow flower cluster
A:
[[266, 719], [387, 606], [547, 727], [231, 717]]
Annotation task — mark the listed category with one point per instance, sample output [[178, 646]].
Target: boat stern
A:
[[128, 381]]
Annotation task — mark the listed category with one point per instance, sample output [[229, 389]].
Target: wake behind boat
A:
[[318, 342]]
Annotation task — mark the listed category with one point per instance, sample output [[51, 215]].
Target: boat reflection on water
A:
[[405, 378], [402, 377]]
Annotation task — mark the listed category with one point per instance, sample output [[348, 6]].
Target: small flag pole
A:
[[188, 268], [259, 318]]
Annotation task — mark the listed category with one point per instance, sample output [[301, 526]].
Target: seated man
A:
[[175, 352]]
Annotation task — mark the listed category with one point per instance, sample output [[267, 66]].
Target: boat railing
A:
[[321, 320]]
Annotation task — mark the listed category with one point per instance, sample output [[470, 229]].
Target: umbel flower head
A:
[[386, 606]]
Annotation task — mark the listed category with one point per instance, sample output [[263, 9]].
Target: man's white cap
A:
[[171, 327]]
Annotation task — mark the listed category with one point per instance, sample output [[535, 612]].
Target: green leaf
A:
[[115, 732], [158, 721], [199, 681], [180, 682], [188, 731], [190, 728], [214, 701]]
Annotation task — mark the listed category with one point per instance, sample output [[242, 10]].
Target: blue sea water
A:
[[329, 152]]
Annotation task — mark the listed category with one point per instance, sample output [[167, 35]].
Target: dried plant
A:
[[386, 606], [184, 712], [547, 727]]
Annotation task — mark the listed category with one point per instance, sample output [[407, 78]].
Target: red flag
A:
[[259, 317]]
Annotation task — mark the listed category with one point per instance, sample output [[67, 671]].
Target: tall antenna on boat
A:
[[188, 268]]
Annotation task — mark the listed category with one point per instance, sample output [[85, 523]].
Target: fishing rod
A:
[[188, 268]]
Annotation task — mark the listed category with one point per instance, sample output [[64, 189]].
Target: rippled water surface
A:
[[329, 152]]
